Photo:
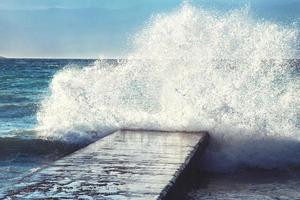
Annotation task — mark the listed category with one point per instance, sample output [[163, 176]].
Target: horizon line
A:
[[78, 58]]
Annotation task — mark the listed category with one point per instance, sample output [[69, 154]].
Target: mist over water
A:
[[191, 70]]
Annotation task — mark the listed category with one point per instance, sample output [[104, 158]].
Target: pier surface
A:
[[123, 165]]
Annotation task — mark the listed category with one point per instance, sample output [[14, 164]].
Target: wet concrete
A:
[[123, 165]]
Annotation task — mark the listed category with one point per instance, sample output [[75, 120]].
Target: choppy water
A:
[[23, 83], [250, 185], [189, 70]]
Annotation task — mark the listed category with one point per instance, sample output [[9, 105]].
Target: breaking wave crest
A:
[[191, 70]]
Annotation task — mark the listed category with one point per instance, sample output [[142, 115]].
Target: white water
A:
[[191, 69]]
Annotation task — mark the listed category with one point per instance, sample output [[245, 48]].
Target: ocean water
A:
[[23, 84], [250, 185], [229, 74]]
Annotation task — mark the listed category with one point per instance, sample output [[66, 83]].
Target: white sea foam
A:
[[191, 69]]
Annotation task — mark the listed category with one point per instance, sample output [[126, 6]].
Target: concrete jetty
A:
[[123, 165]]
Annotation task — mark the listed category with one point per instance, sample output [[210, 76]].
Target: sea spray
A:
[[191, 70]]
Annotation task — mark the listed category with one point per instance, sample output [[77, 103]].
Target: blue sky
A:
[[88, 28]]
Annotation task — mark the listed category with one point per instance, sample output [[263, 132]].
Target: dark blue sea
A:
[[23, 84]]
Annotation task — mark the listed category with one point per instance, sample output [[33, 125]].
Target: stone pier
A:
[[123, 165]]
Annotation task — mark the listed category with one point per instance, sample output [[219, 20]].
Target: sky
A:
[[93, 28]]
